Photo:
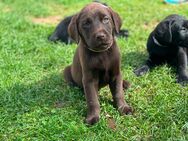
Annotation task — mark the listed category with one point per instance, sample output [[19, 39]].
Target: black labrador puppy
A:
[[168, 43]]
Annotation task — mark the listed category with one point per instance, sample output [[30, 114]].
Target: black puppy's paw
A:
[[53, 37], [183, 80], [141, 71]]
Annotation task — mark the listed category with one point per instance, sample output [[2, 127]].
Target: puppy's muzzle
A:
[[100, 37]]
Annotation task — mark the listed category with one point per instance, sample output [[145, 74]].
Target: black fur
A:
[[168, 43], [123, 33], [61, 32]]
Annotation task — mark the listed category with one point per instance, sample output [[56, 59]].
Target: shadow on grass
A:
[[51, 92], [137, 59], [133, 59]]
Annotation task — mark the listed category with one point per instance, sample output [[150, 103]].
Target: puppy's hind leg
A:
[[68, 76]]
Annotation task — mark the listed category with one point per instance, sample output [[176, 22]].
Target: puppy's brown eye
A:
[[105, 20], [87, 23]]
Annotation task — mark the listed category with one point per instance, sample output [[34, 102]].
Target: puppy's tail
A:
[[126, 84]]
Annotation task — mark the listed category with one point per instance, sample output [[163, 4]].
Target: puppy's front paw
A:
[[141, 71], [183, 80], [125, 110], [92, 119]]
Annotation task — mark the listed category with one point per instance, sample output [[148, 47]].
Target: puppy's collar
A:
[[157, 42], [99, 50]]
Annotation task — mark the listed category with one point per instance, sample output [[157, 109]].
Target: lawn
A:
[[36, 103]]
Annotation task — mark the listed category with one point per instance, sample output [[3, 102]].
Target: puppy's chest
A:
[[101, 62], [105, 67], [104, 77]]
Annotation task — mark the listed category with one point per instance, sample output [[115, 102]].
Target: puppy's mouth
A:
[[104, 45], [101, 47]]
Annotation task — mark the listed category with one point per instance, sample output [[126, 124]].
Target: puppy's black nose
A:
[[100, 36]]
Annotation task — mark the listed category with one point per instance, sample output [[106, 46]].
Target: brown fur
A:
[[96, 62]]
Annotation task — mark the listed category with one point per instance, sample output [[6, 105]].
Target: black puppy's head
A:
[[95, 25], [173, 30]]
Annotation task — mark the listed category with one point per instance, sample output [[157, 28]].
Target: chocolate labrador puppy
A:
[[168, 43], [96, 62]]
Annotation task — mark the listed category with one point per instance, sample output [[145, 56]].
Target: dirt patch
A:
[[110, 122], [6, 9], [150, 25], [47, 20]]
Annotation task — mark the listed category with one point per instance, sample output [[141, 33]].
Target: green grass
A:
[[35, 102]]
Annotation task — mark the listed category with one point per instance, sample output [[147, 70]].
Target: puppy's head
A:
[[173, 30], [95, 26]]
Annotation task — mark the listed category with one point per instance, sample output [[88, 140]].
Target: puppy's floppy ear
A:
[[73, 29], [116, 20], [164, 31]]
